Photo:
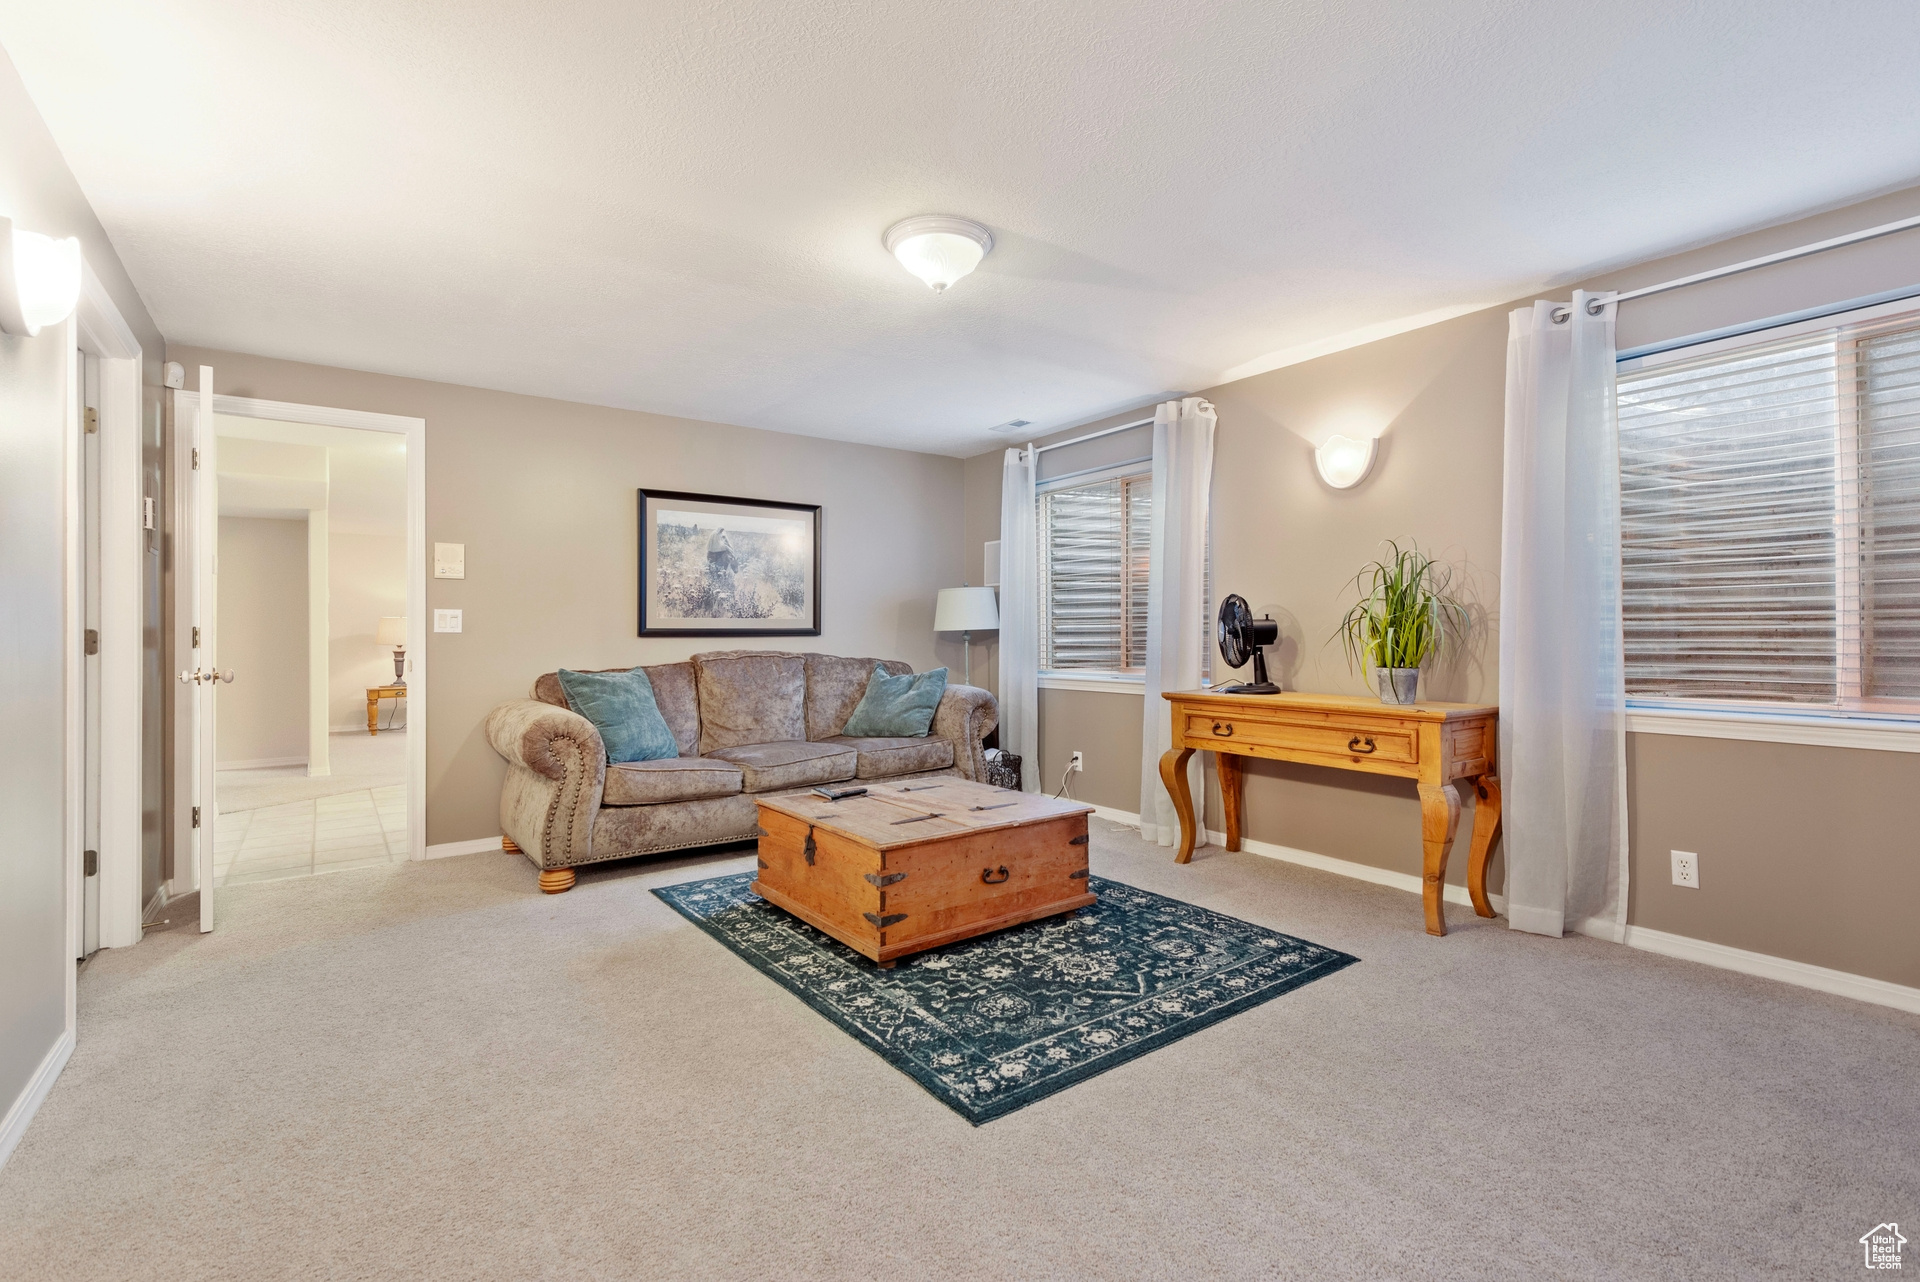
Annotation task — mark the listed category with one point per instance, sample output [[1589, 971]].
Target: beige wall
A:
[[543, 495], [39, 193], [1805, 853], [368, 578], [263, 638]]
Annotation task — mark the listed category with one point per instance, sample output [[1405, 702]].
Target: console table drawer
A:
[[1315, 737]]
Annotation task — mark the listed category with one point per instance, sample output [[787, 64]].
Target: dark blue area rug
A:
[[990, 1025]]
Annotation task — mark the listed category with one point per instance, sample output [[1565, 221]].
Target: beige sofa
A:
[[748, 723]]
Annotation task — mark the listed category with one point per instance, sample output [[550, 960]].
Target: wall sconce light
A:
[[1343, 461], [39, 280]]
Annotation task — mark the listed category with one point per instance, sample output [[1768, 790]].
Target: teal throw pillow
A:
[[622, 708], [897, 707]]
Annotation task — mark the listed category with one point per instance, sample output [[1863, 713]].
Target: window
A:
[[1094, 541], [1770, 519]]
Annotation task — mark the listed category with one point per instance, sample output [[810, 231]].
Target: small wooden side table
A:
[[1431, 743], [374, 695]]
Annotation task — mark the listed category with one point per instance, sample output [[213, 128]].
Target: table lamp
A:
[[965, 610], [393, 632]]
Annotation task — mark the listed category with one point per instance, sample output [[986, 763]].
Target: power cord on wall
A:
[[1066, 782]]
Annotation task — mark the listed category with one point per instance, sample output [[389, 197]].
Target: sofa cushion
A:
[[749, 697], [834, 688], [895, 707], [623, 831], [673, 693], [622, 709], [649, 783], [792, 764], [882, 758]]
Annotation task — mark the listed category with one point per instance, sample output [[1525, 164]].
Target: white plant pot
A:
[[1397, 685]]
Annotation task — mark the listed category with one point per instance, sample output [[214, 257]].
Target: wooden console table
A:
[[374, 695], [1430, 743]]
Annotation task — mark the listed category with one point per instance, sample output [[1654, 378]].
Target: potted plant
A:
[[1406, 615]]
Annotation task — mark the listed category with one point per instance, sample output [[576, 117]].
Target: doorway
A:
[[313, 566], [307, 578]]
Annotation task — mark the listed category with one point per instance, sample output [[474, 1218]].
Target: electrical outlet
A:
[[1686, 868], [1077, 762]]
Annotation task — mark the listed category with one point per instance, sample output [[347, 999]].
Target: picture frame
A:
[[712, 565]]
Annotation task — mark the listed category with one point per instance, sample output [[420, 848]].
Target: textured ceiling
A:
[[677, 206]]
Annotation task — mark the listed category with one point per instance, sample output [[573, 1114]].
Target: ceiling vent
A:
[[1011, 425]]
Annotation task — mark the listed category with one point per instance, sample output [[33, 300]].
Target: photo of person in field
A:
[[731, 567]]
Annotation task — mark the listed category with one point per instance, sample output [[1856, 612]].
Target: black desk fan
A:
[[1242, 635]]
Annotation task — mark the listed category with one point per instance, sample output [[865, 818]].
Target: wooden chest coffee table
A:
[[913, 866]]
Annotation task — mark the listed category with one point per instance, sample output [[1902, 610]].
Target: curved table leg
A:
[[1439, 818], [1232, 778], [1486, 826], [1173, 773]]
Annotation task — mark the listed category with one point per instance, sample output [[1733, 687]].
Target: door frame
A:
[[187, 404], [102, 332]]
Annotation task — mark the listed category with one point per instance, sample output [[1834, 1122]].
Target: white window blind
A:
[[1770, 510], [1094, 556], [1093, 559]]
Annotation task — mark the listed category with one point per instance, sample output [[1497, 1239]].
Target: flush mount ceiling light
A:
[[1344, 461], [937, 248], [39, 280]]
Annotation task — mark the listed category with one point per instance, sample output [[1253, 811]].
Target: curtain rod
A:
[[1768, 260], [1090, 436]]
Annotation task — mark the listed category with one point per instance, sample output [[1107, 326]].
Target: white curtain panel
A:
[[1020, 616], [1176, 597], [1563, 742]]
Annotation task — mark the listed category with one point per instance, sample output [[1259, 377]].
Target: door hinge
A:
[[196, 460], [196, 816], [196, 638], [93, 641], [92, 418], [90, 866]]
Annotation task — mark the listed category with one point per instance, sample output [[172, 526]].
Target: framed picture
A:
[[712, 566]]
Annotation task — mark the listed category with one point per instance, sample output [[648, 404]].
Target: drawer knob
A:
[[1355, 744], [1224, 729], [987, 875]]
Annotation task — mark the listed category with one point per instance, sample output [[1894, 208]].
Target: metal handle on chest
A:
[[1353, 744], [987, 875], [1224, 729]]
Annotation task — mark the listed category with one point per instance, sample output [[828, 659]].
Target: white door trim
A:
[[415, 430], [102, 332]]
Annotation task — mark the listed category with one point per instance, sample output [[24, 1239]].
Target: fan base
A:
[[1248, 687]]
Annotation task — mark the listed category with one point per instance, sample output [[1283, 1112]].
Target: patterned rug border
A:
[[1020, 1097]]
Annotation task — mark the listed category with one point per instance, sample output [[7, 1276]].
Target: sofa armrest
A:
[[966, 715], [556, 770]]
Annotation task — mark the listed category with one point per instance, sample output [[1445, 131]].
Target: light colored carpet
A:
[[359, 762], [431, 1070]]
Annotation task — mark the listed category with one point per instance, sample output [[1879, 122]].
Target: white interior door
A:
[[203, 516]]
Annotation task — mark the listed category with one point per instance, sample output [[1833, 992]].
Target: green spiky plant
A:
[[1406, 614]]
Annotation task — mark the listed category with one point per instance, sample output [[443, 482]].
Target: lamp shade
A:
[[1343, 461], [39, 280], [393, 630], [966, 610]]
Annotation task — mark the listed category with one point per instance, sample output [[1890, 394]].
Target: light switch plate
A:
[[450, 562], [446, 620]]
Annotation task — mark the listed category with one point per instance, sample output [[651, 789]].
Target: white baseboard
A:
[[35, 1093], [1878, 992], [473, 847], [1841, 983], [262, 763]]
